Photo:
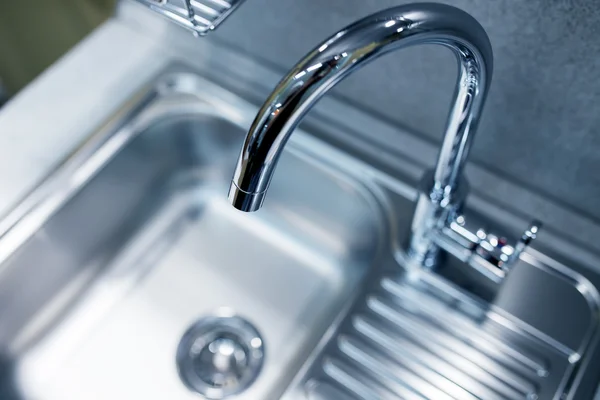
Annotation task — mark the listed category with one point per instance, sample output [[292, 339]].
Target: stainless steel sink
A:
[[106, 265]]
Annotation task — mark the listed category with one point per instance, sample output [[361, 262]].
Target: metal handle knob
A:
[[497, 251], [490, 253], [528, 236]]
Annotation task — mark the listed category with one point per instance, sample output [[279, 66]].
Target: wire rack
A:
[[199, 16]]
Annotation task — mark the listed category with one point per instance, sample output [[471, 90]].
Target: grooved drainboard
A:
[[403, 342]]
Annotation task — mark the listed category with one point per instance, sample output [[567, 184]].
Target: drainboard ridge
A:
[[403, 342]]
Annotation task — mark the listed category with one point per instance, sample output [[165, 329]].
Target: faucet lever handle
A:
[[490, 253], [497, 251], [528, 236]]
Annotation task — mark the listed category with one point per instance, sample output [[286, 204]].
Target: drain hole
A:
[[220, 356], [222, 363]]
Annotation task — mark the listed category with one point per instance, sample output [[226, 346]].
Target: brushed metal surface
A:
[[407, 341], [111, 260], [108, 262]]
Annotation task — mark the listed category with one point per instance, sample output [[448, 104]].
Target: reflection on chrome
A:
[[437, 221]]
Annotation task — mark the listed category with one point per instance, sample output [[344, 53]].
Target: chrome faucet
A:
[[437, 222]]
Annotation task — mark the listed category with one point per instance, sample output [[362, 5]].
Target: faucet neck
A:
[[344, 53]]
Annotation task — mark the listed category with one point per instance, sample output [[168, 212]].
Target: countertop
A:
[[48, 119]]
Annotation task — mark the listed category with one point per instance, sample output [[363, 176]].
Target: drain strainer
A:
[[220, 356]]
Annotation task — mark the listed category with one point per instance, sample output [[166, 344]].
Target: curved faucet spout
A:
[[347, 51]]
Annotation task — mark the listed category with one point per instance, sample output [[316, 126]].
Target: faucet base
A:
[[433, 208]]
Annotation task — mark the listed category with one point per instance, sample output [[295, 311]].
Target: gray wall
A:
[[541, 123]]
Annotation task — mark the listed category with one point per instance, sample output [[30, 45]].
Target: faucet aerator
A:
[[244, 201]]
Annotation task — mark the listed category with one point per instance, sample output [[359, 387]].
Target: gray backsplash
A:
[[541, 123]]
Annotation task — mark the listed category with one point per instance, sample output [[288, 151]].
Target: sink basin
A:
[[107, 264], [143, 242]]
